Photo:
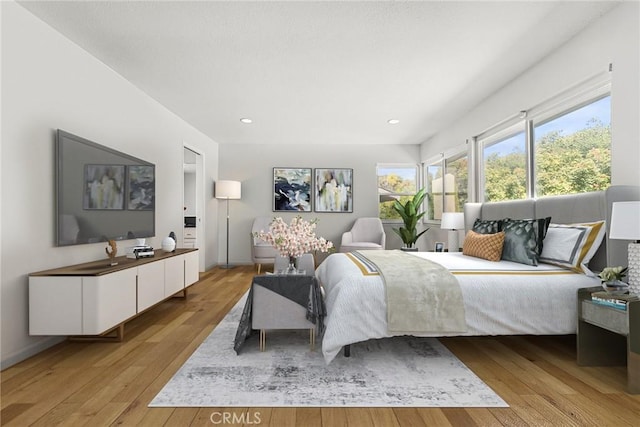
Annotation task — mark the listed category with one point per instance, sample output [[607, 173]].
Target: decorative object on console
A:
[[611, 278], [625, 225], [112, 250], [453, 221], [168, 244], [410, 214], [228, 190], [334, 190], [293, 240], [292, 189]]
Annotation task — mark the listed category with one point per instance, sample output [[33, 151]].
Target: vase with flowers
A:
[[294, 239], [611, 278]]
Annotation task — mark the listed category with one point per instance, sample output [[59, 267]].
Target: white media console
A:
[[91, 300]]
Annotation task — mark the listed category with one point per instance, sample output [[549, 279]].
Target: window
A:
[[505, 168], [562, 146], [446, 192], [573, 150], [395, 182]]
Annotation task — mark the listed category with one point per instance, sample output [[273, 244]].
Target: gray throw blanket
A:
[[422, 296]]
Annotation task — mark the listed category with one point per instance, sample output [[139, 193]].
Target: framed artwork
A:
[[334, 190], [141, 187], [103, 187], [439, 247], [292, 189]]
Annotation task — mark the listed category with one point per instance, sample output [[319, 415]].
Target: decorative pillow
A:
[[572, 245], [486, 246], [489, 226], [523, 239]]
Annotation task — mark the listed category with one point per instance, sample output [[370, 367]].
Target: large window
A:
[[573, 150], [505, 168], [446, 181], [561, 147], [395, 182]]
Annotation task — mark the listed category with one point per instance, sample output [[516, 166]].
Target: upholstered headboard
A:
[[566, 209]]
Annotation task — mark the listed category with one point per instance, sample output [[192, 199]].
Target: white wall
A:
[[48, 83], [614, 38], [253, 166]]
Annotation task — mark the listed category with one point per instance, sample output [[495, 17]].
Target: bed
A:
[[499, 298]]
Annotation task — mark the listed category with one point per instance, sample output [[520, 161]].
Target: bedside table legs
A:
[[263, 339]]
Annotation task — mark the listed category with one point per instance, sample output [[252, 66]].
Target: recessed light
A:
[[246, 120], [393, 121]]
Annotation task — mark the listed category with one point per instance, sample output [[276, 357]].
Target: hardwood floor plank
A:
[[77, 383]]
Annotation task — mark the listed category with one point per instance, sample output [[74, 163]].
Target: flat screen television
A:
[[101, 194]]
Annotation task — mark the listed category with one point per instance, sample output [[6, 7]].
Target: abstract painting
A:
[[334, 190], [142, 188], [103, 187], [292, 189]]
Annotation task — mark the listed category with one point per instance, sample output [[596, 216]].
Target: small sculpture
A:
[[112, 253]]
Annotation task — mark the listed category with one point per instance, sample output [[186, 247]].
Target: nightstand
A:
[[609, 336]]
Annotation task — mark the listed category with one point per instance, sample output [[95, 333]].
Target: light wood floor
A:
[[104, 384]]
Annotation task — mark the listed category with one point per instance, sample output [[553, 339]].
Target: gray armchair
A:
[[261, 251], [366, 234]]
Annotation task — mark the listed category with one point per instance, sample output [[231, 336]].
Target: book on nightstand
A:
[[610, 300]]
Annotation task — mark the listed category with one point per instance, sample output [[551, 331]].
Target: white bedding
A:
[[503, 298]]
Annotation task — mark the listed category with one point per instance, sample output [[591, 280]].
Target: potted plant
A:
[[410, 214]]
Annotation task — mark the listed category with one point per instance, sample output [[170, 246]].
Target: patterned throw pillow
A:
[[487, 226], [523, 239], [486, 246], [573, 245]]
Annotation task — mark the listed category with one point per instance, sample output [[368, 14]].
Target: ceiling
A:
[[319, 72]]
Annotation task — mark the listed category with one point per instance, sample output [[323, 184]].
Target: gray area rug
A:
[[401, 371]]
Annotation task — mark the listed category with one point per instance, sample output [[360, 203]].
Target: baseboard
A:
[[32, 350]]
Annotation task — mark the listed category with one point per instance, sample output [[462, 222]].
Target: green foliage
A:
[[410, 214], [565, 164]]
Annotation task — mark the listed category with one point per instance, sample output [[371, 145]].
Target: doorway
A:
[[193, 202]]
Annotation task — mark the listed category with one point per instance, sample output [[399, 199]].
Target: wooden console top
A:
[[98, 268]]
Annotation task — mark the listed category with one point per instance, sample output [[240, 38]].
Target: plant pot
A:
[[615, 287], [414, 249]]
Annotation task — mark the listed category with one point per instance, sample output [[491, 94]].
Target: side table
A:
[[605, 332]]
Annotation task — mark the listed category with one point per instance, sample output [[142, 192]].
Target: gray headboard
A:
[[566, 209]]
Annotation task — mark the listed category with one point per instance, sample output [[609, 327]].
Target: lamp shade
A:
[[452, 221], [625, 221], [228, 190]]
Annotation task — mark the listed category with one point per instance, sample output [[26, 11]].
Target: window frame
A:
[[584, 93], [418, 181]]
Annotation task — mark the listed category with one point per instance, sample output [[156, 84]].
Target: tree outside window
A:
[[395, 182]]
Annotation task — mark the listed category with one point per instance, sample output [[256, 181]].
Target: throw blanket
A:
[[422, 296]]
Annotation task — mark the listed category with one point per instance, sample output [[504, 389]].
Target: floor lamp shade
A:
[[625, 225], [228, 190]]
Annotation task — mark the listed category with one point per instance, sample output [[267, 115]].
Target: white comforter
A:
[[503, 298]]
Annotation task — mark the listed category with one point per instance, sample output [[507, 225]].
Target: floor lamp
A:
[[227, 190]]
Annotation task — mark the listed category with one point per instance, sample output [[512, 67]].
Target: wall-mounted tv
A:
[[101, 194]]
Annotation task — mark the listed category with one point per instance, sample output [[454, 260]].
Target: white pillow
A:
[[572, 245]]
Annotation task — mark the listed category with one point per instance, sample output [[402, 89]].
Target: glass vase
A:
[[291, 269]]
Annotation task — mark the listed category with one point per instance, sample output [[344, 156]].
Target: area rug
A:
[[393, 372]]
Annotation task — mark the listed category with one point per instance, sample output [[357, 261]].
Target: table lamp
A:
[[625, 225], [453, 221]]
